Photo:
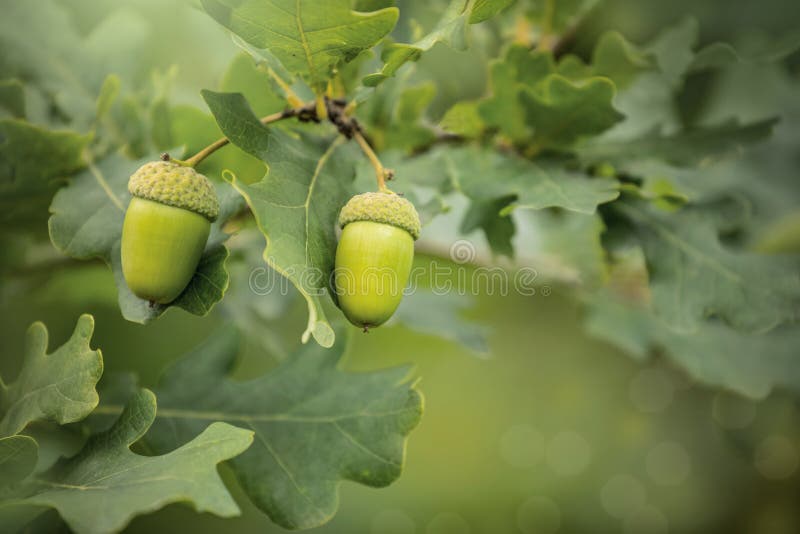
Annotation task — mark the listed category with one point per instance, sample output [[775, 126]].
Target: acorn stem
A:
[[219, 143], [207, 151], [381, 173]]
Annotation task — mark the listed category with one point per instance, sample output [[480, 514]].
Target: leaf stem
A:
[[381, 173], [294, 100], [219, 143]]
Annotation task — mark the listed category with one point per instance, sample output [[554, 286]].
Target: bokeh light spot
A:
[[776, 457], [668, 463]]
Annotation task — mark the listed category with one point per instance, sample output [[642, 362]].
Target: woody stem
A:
[[219, 143]]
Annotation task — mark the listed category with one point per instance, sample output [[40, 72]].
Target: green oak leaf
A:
[[562, 112], [306, 39], [714, 353], [645, 92], [297, 202], [33, 163], [720, 55], [648, 79], [766, 173], [557, 104], [567, 243], [694, 276], [503, 109], [108, 94], [58, 386], [115, 45], [535, 185], [625, 324], [524, 71], [669, 187], [12, 98], [258, 297], [57, 64], [450, 30], [395, 116], [693, 146], [715, 55], [673, 50], [572, 67], [406, 131], [205, 289], [372, 5], [441, 316], [613, 57], [196, 129], [556, 16], [56, 441], [18, 455], [648, 105], [314, 424], [782, 236], [515, 184], [67, 66], [484, 214], [752, 364], [617, 59], [280, 80], [247, 76], [485, 9], [160, 125], [463, 119], [86, 222], [126, 484]]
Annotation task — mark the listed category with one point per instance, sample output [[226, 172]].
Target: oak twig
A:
[[304, 113]]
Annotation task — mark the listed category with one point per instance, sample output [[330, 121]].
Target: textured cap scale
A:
[[175, 185], [387, 208]]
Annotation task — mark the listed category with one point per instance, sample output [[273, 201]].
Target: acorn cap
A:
[[387, 208], [175, 185]]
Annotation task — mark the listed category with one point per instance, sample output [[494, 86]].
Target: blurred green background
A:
[[552, 432]]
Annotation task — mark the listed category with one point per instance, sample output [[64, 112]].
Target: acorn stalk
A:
[[374, 256], [166, 228]]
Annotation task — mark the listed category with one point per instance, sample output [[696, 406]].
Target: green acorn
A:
[[166, 228], [374, 256]]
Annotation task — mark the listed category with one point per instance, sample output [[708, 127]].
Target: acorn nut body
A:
[[374, 256], [166, 228]]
